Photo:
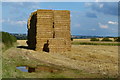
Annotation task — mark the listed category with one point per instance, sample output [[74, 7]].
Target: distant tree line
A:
[[84, 37], [20, 36]]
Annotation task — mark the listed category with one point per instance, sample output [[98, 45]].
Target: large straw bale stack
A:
[[49, 30]]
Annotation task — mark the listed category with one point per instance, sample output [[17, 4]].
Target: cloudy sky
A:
[[87, 18]]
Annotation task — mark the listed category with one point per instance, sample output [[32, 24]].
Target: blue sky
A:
[[87, 18]]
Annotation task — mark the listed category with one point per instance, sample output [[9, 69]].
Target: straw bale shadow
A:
[[25, 47]]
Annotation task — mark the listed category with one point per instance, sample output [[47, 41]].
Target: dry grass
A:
[[21, 42], [82, 40], [95, 59]]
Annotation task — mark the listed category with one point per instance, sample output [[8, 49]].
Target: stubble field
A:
[[83, 61]]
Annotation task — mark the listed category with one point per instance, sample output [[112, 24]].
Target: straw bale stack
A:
[[49, 30]]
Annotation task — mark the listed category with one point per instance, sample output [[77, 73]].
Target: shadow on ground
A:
[[25, 47]]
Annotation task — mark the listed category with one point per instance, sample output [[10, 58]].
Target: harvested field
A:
[[90, 61], [88, 40]]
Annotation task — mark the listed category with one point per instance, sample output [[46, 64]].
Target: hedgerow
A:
[[7, 39]]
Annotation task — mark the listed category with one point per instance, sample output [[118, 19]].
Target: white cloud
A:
[[101, 5], [115, 30], [35, 7], [20, 22], [88, 4], [21, 3], [93, 29], [112, 22], [97, 0], [2, 20], [77, 25], [103, 26]]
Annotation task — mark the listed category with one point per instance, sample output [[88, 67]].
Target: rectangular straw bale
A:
[[64, 21], [62, 34], [44, 12], [45, 20], [43, 16], [45, 26], [56, 41], [42, 40], [44, 36], [61, 27], [61, 12], [40, 43], [53, 45], [61, 15], [45, 32]]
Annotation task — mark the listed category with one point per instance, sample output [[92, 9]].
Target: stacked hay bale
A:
[[44, 28], [51, 31]]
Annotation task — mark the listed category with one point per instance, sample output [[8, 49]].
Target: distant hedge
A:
[[117, 39], [106, 39], [8, 39], [94, 39]]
